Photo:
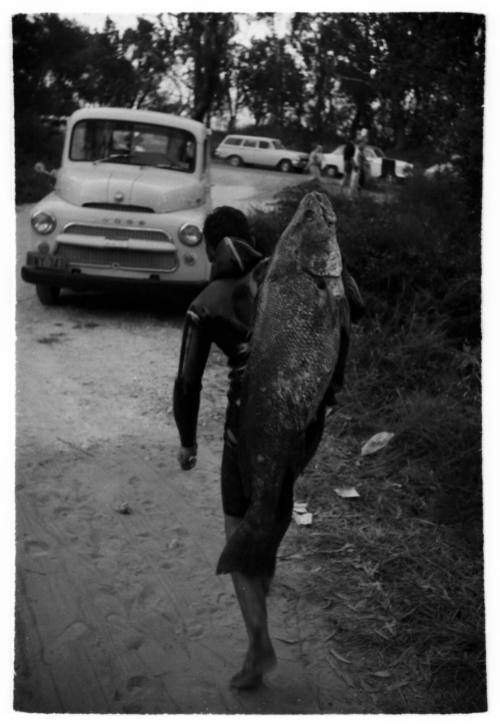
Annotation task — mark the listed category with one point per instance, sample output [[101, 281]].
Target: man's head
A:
[[225, 222]]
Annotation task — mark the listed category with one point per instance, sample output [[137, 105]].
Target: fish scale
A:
[[294, 349]]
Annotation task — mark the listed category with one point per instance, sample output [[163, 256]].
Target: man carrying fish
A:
[[284, 325]]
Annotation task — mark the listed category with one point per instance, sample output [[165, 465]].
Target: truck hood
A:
[[159, 190]]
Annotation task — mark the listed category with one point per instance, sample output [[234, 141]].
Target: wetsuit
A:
[[222, 314]]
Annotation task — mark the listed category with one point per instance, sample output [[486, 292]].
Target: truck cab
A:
[[127, 208]]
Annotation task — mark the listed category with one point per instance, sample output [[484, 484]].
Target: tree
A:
[[109, 78], [271, 84], [47, 63], [149, 48], [58, 65], [202, 44], [322, 43]]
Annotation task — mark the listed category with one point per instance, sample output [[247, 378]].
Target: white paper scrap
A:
[[299, 506], [304, 518], [347, 492], [378, 441]]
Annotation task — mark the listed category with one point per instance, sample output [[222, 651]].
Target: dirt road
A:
[[118, 606]]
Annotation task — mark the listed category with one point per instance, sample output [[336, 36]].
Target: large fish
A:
[[294, 348]]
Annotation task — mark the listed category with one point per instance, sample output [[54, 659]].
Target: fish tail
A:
[[250, 550]]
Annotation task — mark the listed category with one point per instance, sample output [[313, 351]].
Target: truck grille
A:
[[118, 233], [119, 257], [118, 207]]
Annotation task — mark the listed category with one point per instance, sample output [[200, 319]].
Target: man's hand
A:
[[186, 457]]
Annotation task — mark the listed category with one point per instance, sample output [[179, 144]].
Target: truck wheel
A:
[[48, 294], [285, 165], [234, 160], [331, 171]]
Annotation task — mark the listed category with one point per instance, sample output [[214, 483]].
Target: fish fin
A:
[[245, 293], [249, 552]]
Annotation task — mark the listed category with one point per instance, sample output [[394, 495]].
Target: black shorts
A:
[[235, 501]]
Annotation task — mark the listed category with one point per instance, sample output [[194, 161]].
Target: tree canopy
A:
[[409, 78]]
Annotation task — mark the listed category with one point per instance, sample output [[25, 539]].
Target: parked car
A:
[[237, 149], [449, 168], [128, 206], [381, 167]]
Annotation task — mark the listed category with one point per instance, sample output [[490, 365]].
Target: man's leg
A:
[[251, 593]]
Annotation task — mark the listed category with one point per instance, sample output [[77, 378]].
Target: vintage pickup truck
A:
[[127, 208]]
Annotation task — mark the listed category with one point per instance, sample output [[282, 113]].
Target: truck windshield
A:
[[106, 140]]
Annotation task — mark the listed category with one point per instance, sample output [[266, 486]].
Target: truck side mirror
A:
[[40, 168]]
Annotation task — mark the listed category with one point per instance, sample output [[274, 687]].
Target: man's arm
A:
[[195, 348]]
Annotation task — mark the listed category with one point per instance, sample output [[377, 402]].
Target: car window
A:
[[378, 152], [264, 145], [124, 142], [205, 156], [278, 144], [250, 142], [236, 140], [370, 153]]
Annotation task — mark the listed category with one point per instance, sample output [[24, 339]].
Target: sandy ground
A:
[[118, 608]]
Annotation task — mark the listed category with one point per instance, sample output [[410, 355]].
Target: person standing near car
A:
[[349, 152], [359, 173], [315, 162], [363, 165]]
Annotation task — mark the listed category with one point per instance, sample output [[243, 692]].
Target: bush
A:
[[35, 142], [417, 253], [400, 569]]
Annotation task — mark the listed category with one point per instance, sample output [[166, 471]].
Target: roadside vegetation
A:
[[35, 142], [401, 566]]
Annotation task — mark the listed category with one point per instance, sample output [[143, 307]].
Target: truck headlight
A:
[[43, 222], [190, 234]]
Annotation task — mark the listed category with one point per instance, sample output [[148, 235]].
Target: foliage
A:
[[418, 255], [203, 44], [38, 141], [149, 49], [271, 85], [411, 79], [44, 80]]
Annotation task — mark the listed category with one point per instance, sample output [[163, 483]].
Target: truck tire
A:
[[285, 166], [331, 171], [48, 294]]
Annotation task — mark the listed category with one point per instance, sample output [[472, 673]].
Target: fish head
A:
[[312, 233]]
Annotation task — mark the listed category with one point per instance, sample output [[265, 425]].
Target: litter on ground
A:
[[300, 514], [375, 443]]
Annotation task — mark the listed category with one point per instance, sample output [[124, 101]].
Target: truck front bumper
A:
[[82, 281]]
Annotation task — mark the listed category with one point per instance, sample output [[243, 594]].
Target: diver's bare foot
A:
[[257, 663], [245, 679]]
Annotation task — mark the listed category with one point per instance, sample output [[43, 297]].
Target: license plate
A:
[[53, 262]]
